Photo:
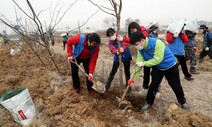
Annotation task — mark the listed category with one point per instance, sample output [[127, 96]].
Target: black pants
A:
[[114, 70], [202, 54], [52, 42], [172, 76], [64, 45], [75, 75], [146, 77], [182, 62]]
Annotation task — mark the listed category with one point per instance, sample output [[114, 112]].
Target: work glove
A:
[[139, 64], [71, 58], [130, 82], [195, 49], [90, 77], [120, 38], [121, 49], [118, 52], [175, 35], [207, 49]]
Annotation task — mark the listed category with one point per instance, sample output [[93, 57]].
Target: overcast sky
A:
[[163, 11]]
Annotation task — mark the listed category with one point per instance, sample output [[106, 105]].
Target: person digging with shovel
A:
[[83, 48], [152, 52]]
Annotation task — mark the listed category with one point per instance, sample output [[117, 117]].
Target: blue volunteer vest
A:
[[78, 48], [169, 59], [177, 47]]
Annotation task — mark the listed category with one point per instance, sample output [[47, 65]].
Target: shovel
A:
[[97, 85], [121, 102]]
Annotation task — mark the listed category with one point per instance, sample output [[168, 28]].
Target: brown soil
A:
[[58, 105]]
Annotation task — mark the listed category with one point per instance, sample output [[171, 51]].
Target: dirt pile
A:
[[58, 105]]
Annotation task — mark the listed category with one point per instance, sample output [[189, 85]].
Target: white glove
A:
[[139, 64], [176, 34], [120, 38], [121, 49], [207, 49]]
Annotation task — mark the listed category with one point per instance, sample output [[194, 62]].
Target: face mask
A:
[[138, 47], [201, 31], [112, 38], [155, 31], [133, 30]]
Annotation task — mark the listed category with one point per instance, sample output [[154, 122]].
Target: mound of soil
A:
[[57, 104]]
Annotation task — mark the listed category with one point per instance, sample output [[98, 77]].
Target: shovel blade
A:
[[122, 104], [99, 87]]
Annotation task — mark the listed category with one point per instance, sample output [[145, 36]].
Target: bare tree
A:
[[34, 17], [109, 22], [114, 10]]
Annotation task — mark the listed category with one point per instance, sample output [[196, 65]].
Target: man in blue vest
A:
[[125, 53], [84, 48], [152, 52]]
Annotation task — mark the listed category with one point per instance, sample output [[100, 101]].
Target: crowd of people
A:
[[157, 58]]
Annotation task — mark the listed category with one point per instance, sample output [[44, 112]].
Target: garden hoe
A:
[[97, 85], [122, 103]]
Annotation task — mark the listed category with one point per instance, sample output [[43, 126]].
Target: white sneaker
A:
[[185, 106], [146, 107], [157, 95]]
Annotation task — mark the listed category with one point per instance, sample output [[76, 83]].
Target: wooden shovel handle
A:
[[125, 91], [75, 62]]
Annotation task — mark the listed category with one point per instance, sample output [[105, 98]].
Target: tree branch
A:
[[101, 8], [64, 13], [85, 21], [22, 9]]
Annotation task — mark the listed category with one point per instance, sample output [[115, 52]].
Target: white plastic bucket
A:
[[20, 104]]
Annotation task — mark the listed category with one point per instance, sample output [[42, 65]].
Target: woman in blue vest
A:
[[152, 52], [84, 48], [123, 51]]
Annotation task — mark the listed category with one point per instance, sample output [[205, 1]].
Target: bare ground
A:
[[58, 105]]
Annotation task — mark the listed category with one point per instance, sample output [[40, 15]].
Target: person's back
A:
[[65, 39], [176, 45]]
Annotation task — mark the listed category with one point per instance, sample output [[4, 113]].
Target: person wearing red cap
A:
[[83, 48]]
